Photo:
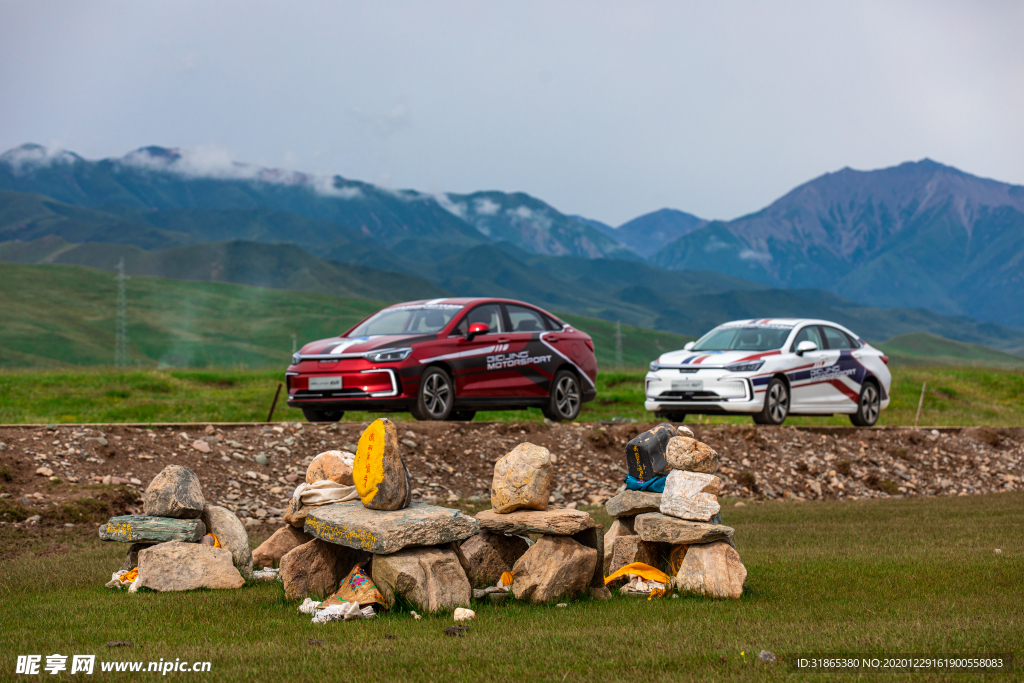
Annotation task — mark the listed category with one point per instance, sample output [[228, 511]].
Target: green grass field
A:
[[956, 396], [864, 577]]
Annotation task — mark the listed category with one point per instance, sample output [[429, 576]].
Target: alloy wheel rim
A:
[[870, 409], [567, 396], [435, 394], [777, 403]]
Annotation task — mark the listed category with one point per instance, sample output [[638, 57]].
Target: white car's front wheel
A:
[[776, 404]]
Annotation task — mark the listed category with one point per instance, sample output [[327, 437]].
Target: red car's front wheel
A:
[[436, 396]]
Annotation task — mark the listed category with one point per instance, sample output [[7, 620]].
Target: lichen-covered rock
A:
[[522, 479], [386, 531], [430, 578], [175, 492], [179, 566], [489, 555], [554, 567], [380, 475], [231, 533], [333, 465], [316, 568], [280, 543], [146, 529], [713, 569], [691, 495], [684, 453]]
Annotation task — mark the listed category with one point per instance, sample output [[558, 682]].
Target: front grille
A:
[[341, 393], [689, 395]]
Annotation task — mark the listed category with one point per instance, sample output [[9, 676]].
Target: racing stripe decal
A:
[[482, 351], [566, 358]]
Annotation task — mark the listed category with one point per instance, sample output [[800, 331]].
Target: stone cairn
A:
[[565, 559], [680, 528], [409, 549], [180, 542]]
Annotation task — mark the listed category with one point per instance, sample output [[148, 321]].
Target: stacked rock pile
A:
[[409, 549], [680, 527], [180, 542], [565, 559]]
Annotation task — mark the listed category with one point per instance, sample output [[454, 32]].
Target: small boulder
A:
[[645, 453], [180, 566], [691, 495], [553, 567], [630, 549], [622, 526], [281, 542], [685, 453], [430, 578], [380, 475], [175, 493], [522, 479], [231, 533], [316, 568], [333, 465], [632, 503], [712, 569], [490, 555]]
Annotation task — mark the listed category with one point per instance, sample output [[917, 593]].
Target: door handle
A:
[[554, 339], [503, 340]]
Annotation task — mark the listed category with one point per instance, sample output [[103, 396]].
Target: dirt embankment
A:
[[59, 472]]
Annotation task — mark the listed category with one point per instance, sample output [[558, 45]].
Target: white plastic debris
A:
[[685, 431], [562, 604], [639, 585], [267, 574], [309, 606], [343, 612], [115, 579], [414, 615], [463, 614]]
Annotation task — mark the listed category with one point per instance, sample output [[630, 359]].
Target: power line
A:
[[121, 358]]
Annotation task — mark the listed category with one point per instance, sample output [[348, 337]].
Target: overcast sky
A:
[[608, 110]]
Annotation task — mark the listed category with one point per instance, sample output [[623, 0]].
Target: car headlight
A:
[[296, 358], [388, 355], [655, 366], [749, 366]]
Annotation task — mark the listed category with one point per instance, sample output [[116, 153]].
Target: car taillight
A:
[[590, 345], [885, 359]]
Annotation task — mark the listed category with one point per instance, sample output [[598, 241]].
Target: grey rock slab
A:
[[548, 522], [232, 535], [430, 578], [633, 503], [387, 531], [174, 492], [146, 529], [658, 528]]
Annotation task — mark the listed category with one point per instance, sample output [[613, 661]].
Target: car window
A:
[[524, 319], [809, 333], [413, 319], [836, 339], [488, 314], [551, 325], [753, 338]]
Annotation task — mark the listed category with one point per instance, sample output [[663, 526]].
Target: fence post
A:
[[274, 404], [920, 404]]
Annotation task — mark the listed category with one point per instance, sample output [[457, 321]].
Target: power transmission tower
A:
[[618, 345], [295, 342], [121, 358]]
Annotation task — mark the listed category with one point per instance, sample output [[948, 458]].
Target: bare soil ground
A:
[[82, 475]]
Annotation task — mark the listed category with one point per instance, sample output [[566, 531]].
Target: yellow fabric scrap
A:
[[506, 578], [129, 577], [642, 570], [216, 541], [656, 593]]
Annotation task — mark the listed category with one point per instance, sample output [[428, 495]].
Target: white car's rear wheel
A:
[[868, 406]]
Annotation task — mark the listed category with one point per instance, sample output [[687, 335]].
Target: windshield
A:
[[743, 339], [416, 319]]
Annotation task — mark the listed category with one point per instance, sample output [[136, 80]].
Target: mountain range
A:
[[919, 247]]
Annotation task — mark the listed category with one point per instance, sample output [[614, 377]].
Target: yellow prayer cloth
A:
[[642, 570], [506, 578]]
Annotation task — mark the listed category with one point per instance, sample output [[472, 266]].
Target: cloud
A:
[[29, 157], [523, 212], [486, 207], [446, 203], [751, 255]]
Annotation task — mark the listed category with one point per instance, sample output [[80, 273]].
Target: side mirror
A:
[[477, 328], [805, 346], [688, 346]]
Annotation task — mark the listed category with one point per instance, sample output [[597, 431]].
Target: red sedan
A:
[[445, 359]]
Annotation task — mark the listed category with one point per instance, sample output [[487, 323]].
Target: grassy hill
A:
[[927, 349], [63, 316]]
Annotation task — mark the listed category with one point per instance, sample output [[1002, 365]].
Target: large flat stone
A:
[[146, 529], [178, 566], [387, 531], [658, 528], [548, 522], [633, 503]]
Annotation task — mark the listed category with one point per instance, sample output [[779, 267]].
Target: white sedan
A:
[[770, 369]]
